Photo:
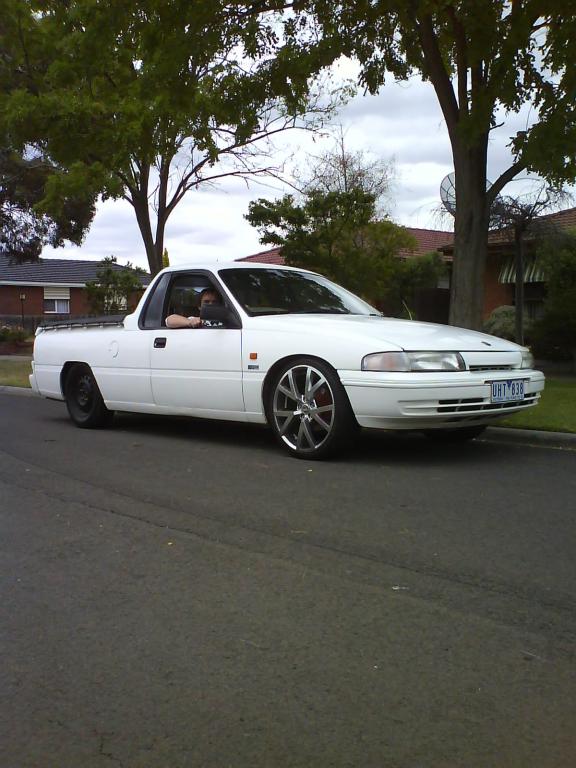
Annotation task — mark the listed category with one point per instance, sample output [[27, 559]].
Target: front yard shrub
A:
[[502, 323], [13, 334]]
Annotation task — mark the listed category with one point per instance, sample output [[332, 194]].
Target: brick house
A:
[[48, 288], [501, 269]]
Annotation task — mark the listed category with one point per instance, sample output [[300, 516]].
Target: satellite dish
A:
[[448, 192]]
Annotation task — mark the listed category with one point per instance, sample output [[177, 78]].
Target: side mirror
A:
[[218, 313]]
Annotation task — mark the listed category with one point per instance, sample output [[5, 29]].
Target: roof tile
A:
[[52, 271], [273, 256]]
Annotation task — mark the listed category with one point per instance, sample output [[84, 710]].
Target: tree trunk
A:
[[159, 244], [154, 262], [470, 237], [142, 211], [162, 213], [158, 254]]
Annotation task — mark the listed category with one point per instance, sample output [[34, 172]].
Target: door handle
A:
[[160, 342]]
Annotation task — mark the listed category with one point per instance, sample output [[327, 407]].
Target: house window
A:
[[57, 306], [57, 301], [443, 282]]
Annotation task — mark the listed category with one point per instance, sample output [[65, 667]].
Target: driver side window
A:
[[184, 296]]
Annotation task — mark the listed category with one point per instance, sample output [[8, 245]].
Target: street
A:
[[181, 594]]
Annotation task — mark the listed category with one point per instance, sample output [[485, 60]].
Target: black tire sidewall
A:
[[97, 415]]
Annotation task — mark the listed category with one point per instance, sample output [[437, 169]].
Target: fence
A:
[[31, 322]]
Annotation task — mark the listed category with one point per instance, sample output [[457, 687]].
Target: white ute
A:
[[287, 347]]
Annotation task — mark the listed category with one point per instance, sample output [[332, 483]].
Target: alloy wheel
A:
[[303, 408]]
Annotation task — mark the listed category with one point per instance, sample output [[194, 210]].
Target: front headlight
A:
[[527, 360], [414, 361]]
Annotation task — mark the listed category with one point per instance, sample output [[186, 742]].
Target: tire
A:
[[83, 399], [308, 409], [461, 435]]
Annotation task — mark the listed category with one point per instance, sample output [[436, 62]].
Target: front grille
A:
[[477, 405], [476, 368]]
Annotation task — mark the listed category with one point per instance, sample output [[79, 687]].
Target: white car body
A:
[[221, 373]]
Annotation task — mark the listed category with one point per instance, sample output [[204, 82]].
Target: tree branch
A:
[[162, 213], [265, 6], [32, 85], [503, 179], [437, 73], [461, 59]]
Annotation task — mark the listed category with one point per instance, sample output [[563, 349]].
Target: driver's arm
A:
[[179, 321]]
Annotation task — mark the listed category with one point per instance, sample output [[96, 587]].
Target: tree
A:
[[335, 233], [23, 229], [484, 59], [146, 100], [115, 287], [519, 217], [25, 171], [341, 170], [407, 277], [558, 260], [336, 227]]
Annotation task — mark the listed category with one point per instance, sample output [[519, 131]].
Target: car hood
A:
[[386, 331]]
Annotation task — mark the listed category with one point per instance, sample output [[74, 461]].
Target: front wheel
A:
[[308, 409], [461, 435], [83, 399]]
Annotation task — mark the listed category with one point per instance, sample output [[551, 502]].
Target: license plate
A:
[[507, 391]]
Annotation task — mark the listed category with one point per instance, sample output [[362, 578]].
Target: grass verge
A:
[[14, 373], [556, 411]]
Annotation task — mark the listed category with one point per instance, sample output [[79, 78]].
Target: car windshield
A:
[[281, 291]]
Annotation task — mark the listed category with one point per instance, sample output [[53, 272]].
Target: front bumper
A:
[[433, 400]]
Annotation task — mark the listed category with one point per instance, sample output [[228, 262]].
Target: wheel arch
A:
[[273, 370], [66, 368]]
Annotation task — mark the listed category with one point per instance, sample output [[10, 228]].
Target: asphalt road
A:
[[179, 594]]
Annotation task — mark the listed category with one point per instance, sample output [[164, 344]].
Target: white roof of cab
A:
[[216, 266]]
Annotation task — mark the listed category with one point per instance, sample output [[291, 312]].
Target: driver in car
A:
[[208, 296]]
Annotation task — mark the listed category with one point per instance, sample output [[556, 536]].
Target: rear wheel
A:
[[308, 409], [455, 435], [83, 399]]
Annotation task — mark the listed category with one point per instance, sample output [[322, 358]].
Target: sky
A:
[[402, 123]]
